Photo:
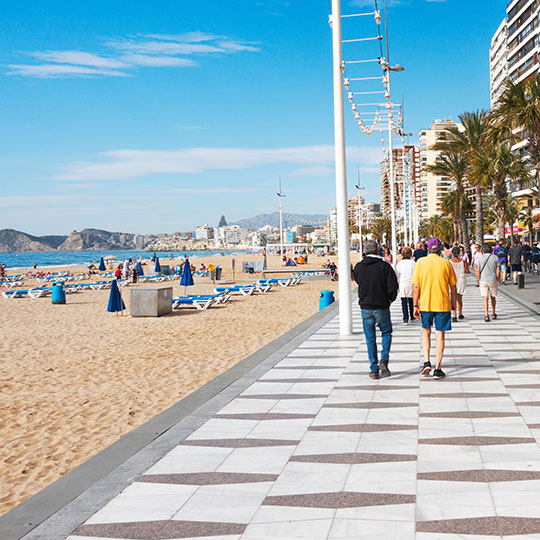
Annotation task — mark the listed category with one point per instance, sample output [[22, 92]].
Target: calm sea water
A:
[[80, 258]]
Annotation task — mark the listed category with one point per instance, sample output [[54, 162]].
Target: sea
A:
[[22, 261]]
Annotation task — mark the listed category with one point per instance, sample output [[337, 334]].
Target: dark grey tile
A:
[[338, 500]]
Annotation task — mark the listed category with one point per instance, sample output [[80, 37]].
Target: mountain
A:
[[17, 241], [290, 220], [96, 239]]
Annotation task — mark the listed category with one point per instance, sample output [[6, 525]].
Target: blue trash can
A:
[[58, 293], [326, 298]]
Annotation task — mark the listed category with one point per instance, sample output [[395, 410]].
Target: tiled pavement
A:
[[314, 449]]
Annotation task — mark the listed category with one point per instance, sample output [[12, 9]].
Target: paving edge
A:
[[55, 511], [522, 303]]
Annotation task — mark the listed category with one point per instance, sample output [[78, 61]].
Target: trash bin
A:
[[219, 270], [521, 281], [58, 293], [326, 298]]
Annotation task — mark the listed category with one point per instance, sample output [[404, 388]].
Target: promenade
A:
[[305, 445]]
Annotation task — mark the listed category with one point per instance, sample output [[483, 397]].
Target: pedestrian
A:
[[500, 251], [434, 297], [134, 271], [404, 272], [333, 270], [536, 257], [446, 251], [515, 259], [420, 251], [377, 289], [461, 268], [488, 273], [476, 255]]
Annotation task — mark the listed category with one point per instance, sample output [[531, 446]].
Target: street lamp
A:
[[344, 261], [280, 195], [359, 189]]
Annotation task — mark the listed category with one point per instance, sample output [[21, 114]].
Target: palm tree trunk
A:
[[479, 216], [465, 233]]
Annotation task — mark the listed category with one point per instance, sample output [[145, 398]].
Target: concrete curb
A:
[[58, 509]]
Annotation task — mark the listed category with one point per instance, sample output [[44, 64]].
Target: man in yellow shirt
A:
[[434, 296]]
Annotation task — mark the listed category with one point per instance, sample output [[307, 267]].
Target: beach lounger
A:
[[218, 298], [37, 292], [201, 303], [244, 290], [11, 284], [285, 282]]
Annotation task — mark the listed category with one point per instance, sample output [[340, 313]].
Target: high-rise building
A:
[[433, 186], [498, 62], [407, 193]]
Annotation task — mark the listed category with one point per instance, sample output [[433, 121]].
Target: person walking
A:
[[500, 251], [404, 272], [419, 252], [476, 255], [461, 268], [515, 258], [434, 296], [488, 273], [377, 289]]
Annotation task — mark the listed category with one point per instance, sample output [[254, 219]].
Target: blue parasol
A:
[[116, 303], [187, 276], [139, 268], [157, 268], [102, 267]]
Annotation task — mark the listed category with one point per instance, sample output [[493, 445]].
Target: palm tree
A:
[[529, 220], [497, 165], [381, 228], [470, 142], [512, 213], [454, 166], [519, 108]]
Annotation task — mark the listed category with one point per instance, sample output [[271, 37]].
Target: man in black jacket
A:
[[377, 289]]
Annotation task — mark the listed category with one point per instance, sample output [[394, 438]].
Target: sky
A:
[[149, 117]]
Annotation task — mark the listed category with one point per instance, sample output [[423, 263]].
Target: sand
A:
[[75, 378]]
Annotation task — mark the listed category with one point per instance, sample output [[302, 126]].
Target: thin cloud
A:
[[124, 55], [128, 164]]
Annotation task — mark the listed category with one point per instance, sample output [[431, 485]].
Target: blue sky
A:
[[149, 117]]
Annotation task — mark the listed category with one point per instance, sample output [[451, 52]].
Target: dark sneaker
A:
[[454, 319], [438, 374], [461, 317], [385, 372], [374, 375], [426, 369]]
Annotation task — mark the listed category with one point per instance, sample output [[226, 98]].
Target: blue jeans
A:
[[381, 318]]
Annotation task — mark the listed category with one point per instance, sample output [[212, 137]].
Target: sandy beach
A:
[[75, 378]]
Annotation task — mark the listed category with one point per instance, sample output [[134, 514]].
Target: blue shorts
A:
[[516, 267], [442, 319]]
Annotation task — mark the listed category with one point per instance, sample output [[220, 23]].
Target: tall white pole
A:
[[280, 195], [344, 262], [360, 242], [392, 182]]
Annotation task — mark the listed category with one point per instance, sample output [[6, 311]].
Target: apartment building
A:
[[498, 62], [433, 187], [407, 189]]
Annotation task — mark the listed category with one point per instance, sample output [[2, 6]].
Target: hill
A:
[[17, 241]]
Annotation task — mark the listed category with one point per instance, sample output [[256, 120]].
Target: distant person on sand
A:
[[377, 289], [434, 297], [134, 271], [35, 266], [333, 271]]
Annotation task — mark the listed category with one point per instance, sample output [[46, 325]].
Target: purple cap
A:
[[433, 243]]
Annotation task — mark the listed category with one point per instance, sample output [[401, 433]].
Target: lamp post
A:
[[280, 195], [345, 297], [359, 189]]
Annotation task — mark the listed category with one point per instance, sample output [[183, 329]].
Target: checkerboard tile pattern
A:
[[315, 449]]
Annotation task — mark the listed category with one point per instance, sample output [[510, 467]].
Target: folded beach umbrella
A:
[[102, 265], [157, 268], [187, 276], [116, 303], [139, 268]]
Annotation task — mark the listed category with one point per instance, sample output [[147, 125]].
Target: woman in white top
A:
[[461, 268], [404, 272]]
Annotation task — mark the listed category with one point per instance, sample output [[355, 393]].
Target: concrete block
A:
[[151, 301]]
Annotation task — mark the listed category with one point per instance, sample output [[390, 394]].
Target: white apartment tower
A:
[[498, 62], [433, 187], [522, 37]]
